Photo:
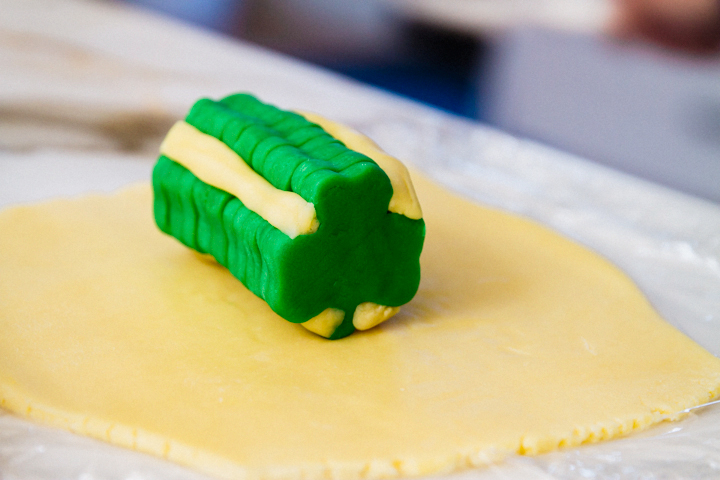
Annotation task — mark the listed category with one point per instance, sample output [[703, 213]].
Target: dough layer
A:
[[218, 165], [518, 341], [361, 252]]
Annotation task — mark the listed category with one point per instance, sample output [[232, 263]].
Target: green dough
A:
[[360, 252]]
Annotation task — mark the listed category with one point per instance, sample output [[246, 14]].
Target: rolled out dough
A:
[[517, 341]]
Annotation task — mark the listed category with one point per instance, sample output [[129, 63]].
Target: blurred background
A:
[[633, 84]]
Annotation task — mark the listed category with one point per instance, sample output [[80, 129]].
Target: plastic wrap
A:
[[667, 242]]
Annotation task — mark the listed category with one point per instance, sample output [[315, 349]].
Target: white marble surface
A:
[[87, 90]]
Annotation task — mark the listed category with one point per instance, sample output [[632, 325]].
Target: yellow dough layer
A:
[[216, 164], [517, 341]]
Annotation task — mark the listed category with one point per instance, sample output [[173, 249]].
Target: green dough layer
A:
[[360, 252]]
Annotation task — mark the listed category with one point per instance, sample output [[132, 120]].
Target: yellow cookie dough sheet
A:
[[519, 341]]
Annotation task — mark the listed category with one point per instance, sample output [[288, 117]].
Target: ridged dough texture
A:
[[360, 253]]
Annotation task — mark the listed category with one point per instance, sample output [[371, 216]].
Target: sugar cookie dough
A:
[[517, 341], [326, 235]]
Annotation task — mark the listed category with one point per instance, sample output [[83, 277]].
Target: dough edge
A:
[[15, 401]]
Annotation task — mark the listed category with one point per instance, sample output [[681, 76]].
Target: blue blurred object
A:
[[451, 89], [364, 42], [217, 15], [437, 67]]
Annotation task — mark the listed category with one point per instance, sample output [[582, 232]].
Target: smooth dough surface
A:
[[517, 341]]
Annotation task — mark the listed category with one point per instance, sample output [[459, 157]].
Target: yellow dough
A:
[[517, 341], [215, 163]]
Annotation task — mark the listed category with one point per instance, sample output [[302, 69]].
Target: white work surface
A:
[[88, 89]]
